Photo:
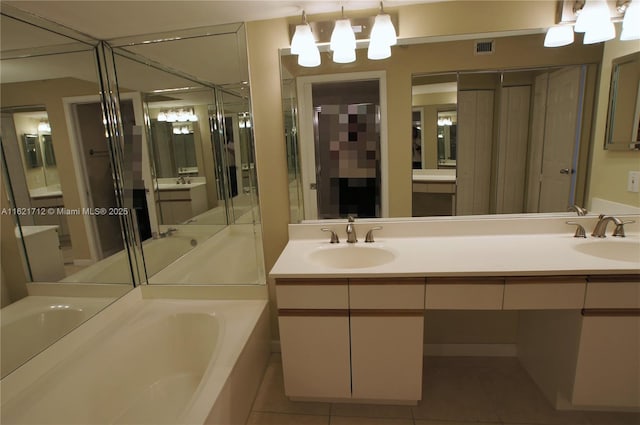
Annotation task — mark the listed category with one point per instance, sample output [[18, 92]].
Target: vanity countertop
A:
[[179, 186], [434, 175], [479, 252]]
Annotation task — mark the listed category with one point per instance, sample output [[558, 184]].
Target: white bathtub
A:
[[158, 253], [33, 323], [147, 361]]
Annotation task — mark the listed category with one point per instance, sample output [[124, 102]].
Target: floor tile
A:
[[427, 422], [371, 410], [454, 395], [271, 397], [263, 418], [354, 420], [613, 418], [518, 400]]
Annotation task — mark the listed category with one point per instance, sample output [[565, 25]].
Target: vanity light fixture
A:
[[44, 126], [631, 22], [595, 18], [304, 45], [343, 41], [383, 36]]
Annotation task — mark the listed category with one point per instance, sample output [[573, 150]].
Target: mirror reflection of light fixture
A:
[[383, 36], [304, 45], [180, 115], [343, 41], [44, 126]]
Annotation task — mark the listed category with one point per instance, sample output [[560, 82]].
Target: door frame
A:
[[79, 165], [307, 150]]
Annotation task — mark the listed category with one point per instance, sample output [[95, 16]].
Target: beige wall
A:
[[50, 94], [265, 38], [610, 169]]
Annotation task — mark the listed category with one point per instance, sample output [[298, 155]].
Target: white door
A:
[[561, 141]]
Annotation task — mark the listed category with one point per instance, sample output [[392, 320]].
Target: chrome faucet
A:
[[601, 227], [578, 209], [334, 236], [168, 232], [351, 231], [181, 180]]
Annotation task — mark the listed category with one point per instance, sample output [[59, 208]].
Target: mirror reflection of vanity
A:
[[505, 159]]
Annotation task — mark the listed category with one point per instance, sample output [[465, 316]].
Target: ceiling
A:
[[106, 20]]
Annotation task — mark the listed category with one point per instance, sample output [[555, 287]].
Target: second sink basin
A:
[[351, 256], [612, 249]]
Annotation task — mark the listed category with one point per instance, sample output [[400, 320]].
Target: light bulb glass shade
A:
[[592, 12], [310, 57], [172, 116], [383, 31], [560, 35], [631, 22], [342, 36], [43, 127], [302, 38], [377, 52], [599, 33], [162, 116], [344, 55]]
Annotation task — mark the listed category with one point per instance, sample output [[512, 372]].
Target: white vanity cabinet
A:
[[313, 317], [607, 364], [358, 339]]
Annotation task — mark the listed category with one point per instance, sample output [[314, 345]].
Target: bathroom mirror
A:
[[31, 150], [623, 118], [48, 246], [198, 158], [413, 62]]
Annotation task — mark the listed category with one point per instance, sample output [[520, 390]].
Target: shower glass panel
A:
[[347, 148]]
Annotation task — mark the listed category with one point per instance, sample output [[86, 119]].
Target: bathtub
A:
[[232, 256], [147, 361], [158, 253], [33, 323]]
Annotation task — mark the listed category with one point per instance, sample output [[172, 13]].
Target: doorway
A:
[[343, 129]]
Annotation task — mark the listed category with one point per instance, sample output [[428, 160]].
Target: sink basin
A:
[[620, 250], [351, 256]]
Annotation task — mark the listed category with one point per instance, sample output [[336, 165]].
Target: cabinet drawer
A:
[[312, 294], [544, 293], [464, 294], [386, 294], [613, 293]]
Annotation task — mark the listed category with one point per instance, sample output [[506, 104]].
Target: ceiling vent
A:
[[484, 47]]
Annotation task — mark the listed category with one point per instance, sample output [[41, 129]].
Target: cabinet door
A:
[[315, 353], [386, 355], [608, 366]]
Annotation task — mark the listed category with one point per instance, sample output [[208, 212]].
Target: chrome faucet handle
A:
[[619, 231], [580, 232], [334, 236], [369, 236], [578, 209]]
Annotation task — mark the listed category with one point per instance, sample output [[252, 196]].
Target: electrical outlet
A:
[[633, 182]]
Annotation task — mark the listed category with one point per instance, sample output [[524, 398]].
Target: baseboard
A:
[[474, 350]]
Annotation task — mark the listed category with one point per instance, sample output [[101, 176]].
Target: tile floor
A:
[[456, 391]]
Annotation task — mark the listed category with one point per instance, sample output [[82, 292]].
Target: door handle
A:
[[567, 171], [313, 186]]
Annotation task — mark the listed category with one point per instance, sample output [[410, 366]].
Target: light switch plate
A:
[[633, 182]]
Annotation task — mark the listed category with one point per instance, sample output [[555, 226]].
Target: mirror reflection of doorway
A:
[[346, 150]]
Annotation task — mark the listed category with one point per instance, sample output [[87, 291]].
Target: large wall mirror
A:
[[504, 133], [623, 119], [46, 240]]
